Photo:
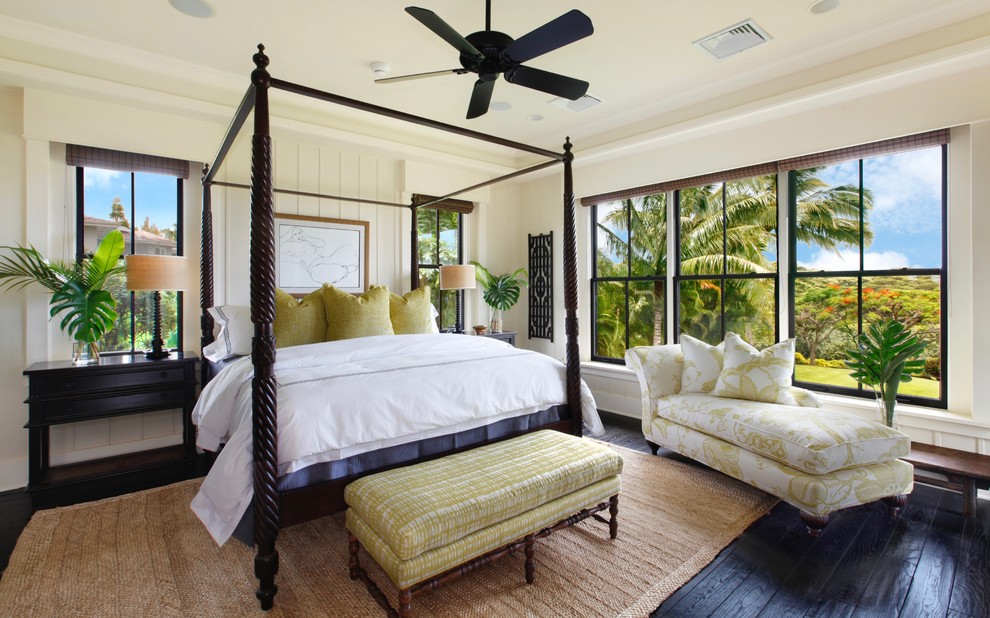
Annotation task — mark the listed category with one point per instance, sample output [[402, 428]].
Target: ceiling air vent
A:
[[733, 39], [578, 105]]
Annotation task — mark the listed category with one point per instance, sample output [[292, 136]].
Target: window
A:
[[865, 241], [440, 243], [727, 260], [869, 245], [147, 208], [629, 280]]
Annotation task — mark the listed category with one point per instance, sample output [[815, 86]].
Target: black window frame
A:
[[129, 250], [724, 276], [942, 272], [459, 304], [626, 281]]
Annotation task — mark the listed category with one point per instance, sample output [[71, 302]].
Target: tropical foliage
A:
[[88, 310], [438, 237], [886, 355], [500, 291]]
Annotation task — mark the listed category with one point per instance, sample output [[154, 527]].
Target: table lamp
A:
[[156, 273], [457, 277]]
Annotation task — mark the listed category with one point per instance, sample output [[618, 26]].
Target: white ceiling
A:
[[640, 60]]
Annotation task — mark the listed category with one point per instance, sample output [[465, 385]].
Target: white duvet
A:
[[342, 398]]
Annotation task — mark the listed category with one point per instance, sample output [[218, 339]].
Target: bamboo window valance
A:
[[89, 156], [462, 206], [873, 149]]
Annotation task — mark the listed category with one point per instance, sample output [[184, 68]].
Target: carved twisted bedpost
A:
[[206, 270], [414, 251], [264, 410], [572, 352]]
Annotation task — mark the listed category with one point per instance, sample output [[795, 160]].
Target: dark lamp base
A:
[[156, 354]]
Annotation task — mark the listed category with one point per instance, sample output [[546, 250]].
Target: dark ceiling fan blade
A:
[[481, 96], [567, 28], [403, 78], [545, 81], [432, 21]]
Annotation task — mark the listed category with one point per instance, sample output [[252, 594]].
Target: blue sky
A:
[[154, 196], [906, 218]]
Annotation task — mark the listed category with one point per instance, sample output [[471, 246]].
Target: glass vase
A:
[[85, 352], [495, 325], [887, 412]]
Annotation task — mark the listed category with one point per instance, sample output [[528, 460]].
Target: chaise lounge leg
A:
[[653, 446], [815, 523], [895, 503]]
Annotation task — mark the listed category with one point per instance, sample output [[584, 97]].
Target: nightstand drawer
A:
[[81, 408], [84, 383]]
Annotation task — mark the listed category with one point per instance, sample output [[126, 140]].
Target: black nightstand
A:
[[507, 336], [59, 392]]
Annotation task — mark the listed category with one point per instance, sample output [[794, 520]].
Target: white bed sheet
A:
[[343, 398]]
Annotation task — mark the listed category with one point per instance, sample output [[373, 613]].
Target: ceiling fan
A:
[[489, 54]]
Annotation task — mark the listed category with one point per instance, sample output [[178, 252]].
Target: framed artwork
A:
[[311, 251]]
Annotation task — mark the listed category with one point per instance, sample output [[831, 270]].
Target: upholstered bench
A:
[[436, 520]]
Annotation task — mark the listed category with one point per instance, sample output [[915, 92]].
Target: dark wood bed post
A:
[[572, 352], [414, 251], [206, 271], [265, 414]]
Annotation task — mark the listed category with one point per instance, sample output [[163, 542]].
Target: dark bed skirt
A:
[[304, 485]]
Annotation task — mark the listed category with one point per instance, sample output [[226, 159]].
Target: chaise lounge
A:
[[815, 459]]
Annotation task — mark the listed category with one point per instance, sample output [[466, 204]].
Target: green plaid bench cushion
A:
[[435, 503], [405, 573]]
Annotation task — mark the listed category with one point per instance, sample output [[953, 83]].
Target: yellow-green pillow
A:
[[411, 313], [298, 322], [350, 316]]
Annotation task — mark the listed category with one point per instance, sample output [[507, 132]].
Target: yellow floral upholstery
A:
[[818, 494], [702, 365], [434, 503], [411, 313], [350, 316], [299, 322], [757, 375], [815, 459], [813, 440]]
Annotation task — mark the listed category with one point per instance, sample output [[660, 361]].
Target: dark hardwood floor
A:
[[930, 561]]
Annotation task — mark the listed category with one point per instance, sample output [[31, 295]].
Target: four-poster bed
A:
[[275, 506]]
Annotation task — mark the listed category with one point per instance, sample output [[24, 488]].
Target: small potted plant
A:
[[88, 310], [887, 354], [500, 292]]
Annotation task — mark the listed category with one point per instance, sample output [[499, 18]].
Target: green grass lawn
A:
[[919, 387]]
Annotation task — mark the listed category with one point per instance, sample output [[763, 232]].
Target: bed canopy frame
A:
[[270, 509]]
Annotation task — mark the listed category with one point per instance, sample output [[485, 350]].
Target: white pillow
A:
[[702, 364], [236, 331], [434, 314], [748, 373]]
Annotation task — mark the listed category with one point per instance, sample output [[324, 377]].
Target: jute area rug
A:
[[146, 554]]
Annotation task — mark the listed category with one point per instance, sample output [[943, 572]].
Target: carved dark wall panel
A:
[[541, 286]]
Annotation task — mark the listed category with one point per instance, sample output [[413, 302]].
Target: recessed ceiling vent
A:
[[734, 39], [578, 105]]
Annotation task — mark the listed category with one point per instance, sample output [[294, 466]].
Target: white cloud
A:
[[849, 260], [101, 179]]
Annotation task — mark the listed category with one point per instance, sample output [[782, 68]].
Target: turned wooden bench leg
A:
[[613, 516], [815, 523], [530, 551], [353, 563], [405, 603]]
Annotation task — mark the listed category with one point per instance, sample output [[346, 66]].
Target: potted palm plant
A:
[[500, 292], [88, 310], [887, 354]]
